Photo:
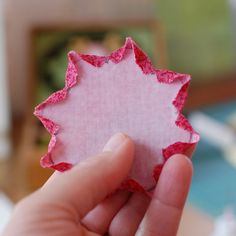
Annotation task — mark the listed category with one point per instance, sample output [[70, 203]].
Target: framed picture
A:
[[52, 45]]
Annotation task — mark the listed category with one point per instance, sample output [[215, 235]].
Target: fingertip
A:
[[125, 150], [130, 144], [180, 162], [117, 141], [114, 142], [175, 179]]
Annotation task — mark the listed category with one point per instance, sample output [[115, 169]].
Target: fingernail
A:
[[114, 142], [183, 156]]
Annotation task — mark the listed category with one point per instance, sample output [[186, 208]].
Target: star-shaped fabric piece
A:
[[122, 92]]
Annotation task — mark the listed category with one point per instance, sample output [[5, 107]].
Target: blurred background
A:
[[197, 37]]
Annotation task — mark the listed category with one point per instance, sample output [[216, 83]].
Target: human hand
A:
[[84, 201]]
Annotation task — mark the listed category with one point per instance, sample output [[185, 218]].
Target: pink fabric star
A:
[[118, 93]]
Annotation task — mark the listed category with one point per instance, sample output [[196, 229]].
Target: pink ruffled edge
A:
[[163, 76]]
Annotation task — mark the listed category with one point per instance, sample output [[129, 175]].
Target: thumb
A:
[[88, 183]]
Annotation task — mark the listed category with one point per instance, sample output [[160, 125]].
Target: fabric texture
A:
[[122, 92]]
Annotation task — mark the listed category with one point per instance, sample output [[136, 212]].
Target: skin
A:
[[86, 201]]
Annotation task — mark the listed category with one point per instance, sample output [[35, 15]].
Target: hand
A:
[[76, 202]]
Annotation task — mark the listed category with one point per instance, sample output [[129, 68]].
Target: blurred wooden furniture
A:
[[221, 89]]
